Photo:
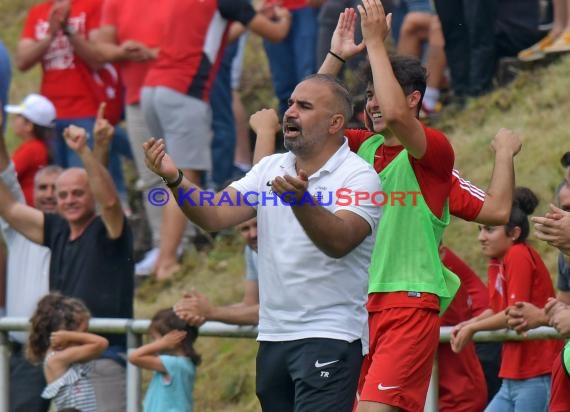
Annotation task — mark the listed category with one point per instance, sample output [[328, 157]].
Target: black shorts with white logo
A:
[[308, 375]]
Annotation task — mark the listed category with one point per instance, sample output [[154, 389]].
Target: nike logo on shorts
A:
[[385, 388], [320, 365]]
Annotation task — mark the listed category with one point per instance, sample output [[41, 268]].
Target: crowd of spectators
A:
[[171, 74]]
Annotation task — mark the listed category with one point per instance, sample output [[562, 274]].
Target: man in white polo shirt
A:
[[313, 249]]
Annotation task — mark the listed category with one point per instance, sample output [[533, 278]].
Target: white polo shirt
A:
[[303, 292], [28, 264]]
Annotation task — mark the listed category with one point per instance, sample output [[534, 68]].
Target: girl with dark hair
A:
[[516, 273], [173, 359], [59, 338]]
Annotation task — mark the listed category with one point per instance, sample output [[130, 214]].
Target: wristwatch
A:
[[69, 30], [176, 182]]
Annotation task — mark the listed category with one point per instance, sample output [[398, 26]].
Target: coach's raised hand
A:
[[158, 161]]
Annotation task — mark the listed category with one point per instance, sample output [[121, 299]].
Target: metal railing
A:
[[135, 328]]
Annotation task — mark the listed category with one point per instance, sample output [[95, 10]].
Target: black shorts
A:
[[308, 375]]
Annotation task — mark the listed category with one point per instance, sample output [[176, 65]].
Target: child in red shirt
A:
[[33, 124], [516, 273]]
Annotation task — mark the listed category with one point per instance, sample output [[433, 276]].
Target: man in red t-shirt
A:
[[58, 35], [130, 37], [176, 90]]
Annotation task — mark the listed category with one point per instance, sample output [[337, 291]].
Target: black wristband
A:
[[176, 182], [337, 56]]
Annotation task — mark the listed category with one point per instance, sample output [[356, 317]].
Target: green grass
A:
[[535, 105]]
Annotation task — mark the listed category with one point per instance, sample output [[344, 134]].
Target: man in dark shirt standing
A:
[[91, 254]]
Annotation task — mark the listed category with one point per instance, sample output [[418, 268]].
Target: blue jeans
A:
[[294, 58], [5, 77], [223, 123], [522, 395], [65, 157]]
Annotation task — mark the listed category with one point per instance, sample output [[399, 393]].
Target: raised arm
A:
[[343, 45], [209, 211], [75, 347], [265, 124], [393, 103], [23, 218], [147, 356], [102, 136], [100, 182], [496, 208]]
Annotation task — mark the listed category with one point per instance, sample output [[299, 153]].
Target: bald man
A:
[[91, 254]]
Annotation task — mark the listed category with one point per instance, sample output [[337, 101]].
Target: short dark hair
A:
[[565, 160], [340, 92], [409, 73]]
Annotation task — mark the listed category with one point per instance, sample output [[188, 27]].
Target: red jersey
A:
[[28, 158], [560, 390], [433, 174], [522, 277], [465, 199], [288, 4], [126, 17], [462, 385], [67, 80], [192, 43], [475, 295]]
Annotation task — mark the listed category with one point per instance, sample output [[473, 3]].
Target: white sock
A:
[[431, 97]]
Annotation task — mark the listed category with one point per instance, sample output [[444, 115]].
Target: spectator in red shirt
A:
[[176, 92], [33, 124], [462, 386], [58, 35], [516, 273]]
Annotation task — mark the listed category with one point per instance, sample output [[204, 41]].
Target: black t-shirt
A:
[[94, 268]]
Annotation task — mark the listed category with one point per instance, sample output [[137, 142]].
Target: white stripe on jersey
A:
[[469, 187]]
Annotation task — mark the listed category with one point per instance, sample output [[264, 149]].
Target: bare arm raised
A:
[[100, 182], [343, 45], [499, 199], [393, 103]]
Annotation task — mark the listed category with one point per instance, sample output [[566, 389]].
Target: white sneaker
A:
[[145, 266]]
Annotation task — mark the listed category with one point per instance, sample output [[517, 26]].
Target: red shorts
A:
[[397, 370]]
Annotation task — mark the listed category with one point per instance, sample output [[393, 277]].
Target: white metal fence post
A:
[[4, 372], [134, 340]]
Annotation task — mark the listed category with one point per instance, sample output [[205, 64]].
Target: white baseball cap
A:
[[36, 108]]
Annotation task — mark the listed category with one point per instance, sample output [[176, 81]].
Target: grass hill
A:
[[535, 105]]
